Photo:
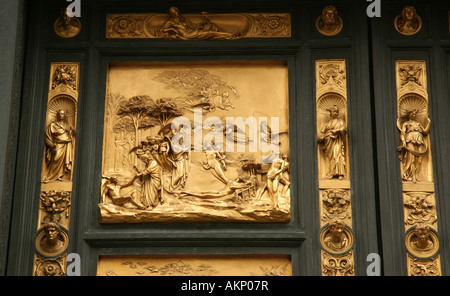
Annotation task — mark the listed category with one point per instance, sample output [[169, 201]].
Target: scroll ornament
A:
[[337, 265]]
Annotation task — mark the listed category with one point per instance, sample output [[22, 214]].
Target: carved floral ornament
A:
[[336, 203], [65, 75], [49, 267], [203, 26], [420, 207], [341, 265], [56, 205], [419, 267]]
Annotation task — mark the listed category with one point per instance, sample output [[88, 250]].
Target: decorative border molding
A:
[[336, 236], [416, 167], [52, 237]]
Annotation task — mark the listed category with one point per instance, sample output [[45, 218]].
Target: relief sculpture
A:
[[59, 140], [66, 26], [329, 23], [179, 27], [413, 125], [336, 236], [195, 265], [193, 142], [413, 146], [201, 26], [408, 22], [58, 161], [332, 139]]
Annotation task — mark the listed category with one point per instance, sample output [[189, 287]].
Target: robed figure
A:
[[59, 140], [413, 146], [151, 180], [332, 138]]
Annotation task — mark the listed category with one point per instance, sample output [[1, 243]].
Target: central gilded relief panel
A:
[[196, 142]]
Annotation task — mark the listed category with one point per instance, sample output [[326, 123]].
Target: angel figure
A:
[[215, 162], [413, 145], [268, 135]]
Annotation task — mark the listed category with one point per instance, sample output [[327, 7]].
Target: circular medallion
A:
[[67, 27], [422, 242], [52, 241], [336, 238]]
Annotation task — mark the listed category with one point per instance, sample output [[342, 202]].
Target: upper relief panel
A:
[[196, 142], [204, 26]]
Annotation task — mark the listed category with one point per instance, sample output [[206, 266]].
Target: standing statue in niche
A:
[[332, 138], [59, 138], [413, 146]]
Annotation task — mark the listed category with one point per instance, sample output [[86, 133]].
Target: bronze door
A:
[[290, 115]]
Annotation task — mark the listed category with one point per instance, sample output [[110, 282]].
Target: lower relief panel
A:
[[194, 265]]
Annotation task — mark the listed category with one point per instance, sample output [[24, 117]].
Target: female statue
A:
[[413, 146]]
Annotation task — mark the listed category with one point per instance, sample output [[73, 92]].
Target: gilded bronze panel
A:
[[416, 168], [428, 267], [194, 265], [204, 141], [58, 161], [336, 236], [204, 26]]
